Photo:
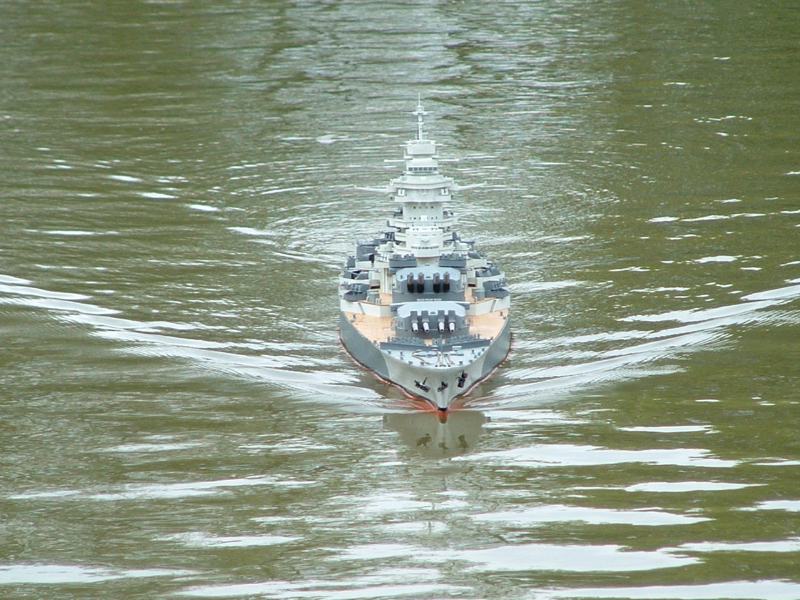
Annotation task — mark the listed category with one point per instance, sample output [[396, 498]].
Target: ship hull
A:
[[414, 379]]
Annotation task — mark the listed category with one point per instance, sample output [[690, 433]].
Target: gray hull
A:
[[442, 383]]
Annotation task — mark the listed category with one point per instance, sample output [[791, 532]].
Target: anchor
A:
[[461, 379]]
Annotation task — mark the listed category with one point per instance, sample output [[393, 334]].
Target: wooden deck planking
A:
[[379, 329], [375, 329], [489, 325]]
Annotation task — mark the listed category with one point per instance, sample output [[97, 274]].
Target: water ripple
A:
[[555, 513], [573, 455], [43, 574], [731, 590]]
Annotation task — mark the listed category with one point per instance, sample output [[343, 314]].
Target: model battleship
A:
[[422, 308]]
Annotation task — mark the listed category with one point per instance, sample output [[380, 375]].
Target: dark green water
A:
[[177, 418]]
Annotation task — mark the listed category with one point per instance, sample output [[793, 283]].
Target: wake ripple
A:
[[695, 330]]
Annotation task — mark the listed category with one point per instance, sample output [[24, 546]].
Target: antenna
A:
[[420, 113]]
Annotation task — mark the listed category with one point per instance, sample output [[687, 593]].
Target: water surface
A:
[[176, 197]]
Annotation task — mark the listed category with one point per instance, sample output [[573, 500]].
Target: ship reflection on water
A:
[[435, 436]]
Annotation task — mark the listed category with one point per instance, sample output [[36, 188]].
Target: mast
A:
[[423, 225], [420, 114]]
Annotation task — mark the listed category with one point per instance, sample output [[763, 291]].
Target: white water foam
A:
[[730, 590]]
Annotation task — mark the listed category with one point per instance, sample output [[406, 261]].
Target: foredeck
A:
[[489, 325], [375, 329], [379, 329]]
